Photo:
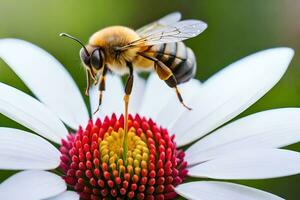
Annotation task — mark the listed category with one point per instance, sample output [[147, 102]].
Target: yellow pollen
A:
[[137, 153]]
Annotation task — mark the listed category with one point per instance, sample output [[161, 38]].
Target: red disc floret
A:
[[152, 173]]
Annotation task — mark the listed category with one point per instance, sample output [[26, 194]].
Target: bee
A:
[[155, 47]]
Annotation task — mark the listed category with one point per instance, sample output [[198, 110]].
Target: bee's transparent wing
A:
[[173, 33], [169, 19]]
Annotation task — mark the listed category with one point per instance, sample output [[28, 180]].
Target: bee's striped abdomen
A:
[[179, 58]]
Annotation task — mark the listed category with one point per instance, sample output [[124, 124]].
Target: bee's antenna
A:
[[75, 39]]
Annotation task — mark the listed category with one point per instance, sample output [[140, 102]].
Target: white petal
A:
[[273, 128], [173, 108], [230, 92], [137, 94], [67, 195], [250, 164], [22, 150], [46, 78], [157, 95], [213, 190], [32, 185], [32, 114], [112, 101]]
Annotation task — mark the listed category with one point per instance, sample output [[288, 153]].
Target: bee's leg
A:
[[129, 82], [166, 75], [92, 75], [128, 89], [88, 82], [172, 82], [101, 87], [96, 79], [181, 99]]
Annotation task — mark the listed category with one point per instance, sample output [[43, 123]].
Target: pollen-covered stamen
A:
[[137, 154], [92, 161]]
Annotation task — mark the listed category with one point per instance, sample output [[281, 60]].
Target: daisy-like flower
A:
[[86, 158]]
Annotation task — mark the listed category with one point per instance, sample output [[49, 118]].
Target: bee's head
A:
[[91, 56]]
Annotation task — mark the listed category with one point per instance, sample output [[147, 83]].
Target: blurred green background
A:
[[235, 29]]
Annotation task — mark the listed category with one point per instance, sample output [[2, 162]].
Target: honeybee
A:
[[156, 46]]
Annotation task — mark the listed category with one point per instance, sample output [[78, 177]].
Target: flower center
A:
[[94, 165], [137, 153]]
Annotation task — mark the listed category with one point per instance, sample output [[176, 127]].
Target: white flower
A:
[[247, 148]]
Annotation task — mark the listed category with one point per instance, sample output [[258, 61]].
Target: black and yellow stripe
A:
[[179, 58]]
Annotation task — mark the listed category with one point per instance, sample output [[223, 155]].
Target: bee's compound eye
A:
[[97, 59], [84, 57]]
